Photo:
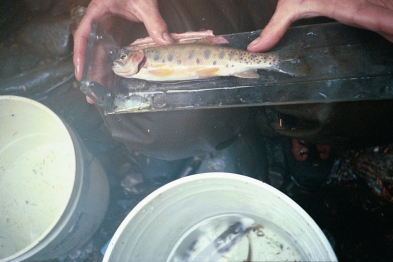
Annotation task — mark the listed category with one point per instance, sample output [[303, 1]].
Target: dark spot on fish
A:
[[170, 57], [156, 56], [198, 61], [221, 55], [178, 62], [206, 53], [214, 62], [191, 54]]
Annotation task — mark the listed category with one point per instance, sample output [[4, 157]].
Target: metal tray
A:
[[346, 64]]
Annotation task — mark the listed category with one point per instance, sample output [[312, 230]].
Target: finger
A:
[[375, 18], [81, 37], [273, 31], [89, 100], [388, 37], [157, 28], [147, 12]]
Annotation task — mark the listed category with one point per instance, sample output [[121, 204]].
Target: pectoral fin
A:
[[247, 74]]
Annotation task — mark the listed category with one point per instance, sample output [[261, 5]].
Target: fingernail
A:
[[167, 37], [255, 41], [78, 72]]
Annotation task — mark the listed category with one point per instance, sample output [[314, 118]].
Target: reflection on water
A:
[[234, 237]]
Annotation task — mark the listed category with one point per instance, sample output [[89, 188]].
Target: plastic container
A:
[[194, 210], [54, 194]]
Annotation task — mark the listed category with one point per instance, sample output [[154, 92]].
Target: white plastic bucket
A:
[[156, 227], [54, 194]]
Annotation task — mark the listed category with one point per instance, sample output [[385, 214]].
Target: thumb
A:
[[82, 35], [273, 32]]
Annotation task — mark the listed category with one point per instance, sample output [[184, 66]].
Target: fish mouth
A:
[[117, 63], [119, 69]]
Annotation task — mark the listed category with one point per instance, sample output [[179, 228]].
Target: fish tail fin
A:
[[291, 61]]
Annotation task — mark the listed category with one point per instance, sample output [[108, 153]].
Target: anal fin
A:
[[208, 72], [247, 74]]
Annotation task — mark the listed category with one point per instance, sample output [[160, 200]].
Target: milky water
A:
[[233, 237], [36, 182]]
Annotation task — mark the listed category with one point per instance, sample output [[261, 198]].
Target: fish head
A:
[[129, 64]]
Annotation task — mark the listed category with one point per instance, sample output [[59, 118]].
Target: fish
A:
[[179, 62], [222, 244]]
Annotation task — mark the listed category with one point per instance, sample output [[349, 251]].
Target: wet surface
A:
[[354, 209]]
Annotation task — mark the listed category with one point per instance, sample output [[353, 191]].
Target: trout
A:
[[199, 61]]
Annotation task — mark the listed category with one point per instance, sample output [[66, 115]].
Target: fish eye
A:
[[123, 56]]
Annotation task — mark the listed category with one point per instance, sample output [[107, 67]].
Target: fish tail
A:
[[291, 62]]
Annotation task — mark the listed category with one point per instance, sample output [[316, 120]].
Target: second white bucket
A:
[[218, 217]]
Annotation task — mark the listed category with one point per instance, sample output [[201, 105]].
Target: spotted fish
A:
[[199, 61]]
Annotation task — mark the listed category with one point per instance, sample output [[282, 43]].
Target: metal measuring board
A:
[[346, 64]]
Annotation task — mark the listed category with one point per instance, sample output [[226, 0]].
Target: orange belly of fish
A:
[[184, 73]]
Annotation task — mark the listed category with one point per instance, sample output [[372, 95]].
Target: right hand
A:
[[374, 15]]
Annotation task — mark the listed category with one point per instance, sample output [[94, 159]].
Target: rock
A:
[[37, 81], [49, 36], [10, 70], [15, 59], [13, 14], [66, 6], [38, 6], [77, 14], [59, 8]]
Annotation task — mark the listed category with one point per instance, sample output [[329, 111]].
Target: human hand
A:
[[374, 15], [145, 11]]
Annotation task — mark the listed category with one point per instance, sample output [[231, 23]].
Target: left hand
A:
[[145, 11]]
